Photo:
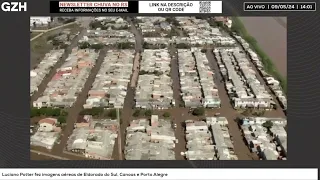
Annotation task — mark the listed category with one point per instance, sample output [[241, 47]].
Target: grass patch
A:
[[34, 34], [239, 28], [40, 46]]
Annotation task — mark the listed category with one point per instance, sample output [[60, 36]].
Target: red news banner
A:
[[93, 7], [279, 6]]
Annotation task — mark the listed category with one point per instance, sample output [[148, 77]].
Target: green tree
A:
[[267, 124], [35, 112], [43, 111], [157, 73], [166, 114], [148, 112], [198, 111], [170, 19], [247, 112], [64, 112], [183, 46], [63, 46], [70, 20], [62, 119], [97, 46], [251, 40], [143, 72], [95, 25], [219, 24], [203, 50], [112, 114], [125, 45], [56, 112], [84, 45], [137, 113], [96, 111], [145, 45]]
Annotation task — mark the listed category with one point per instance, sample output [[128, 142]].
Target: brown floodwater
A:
[[271, 35]]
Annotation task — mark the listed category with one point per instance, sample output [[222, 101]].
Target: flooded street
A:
[[271, 35], [78, 105]]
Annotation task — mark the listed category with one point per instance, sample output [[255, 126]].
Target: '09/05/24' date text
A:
[[279, 6]]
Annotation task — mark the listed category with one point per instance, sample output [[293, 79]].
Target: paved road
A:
[[48, 155]]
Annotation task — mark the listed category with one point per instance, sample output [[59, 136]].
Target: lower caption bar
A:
[[94, 7], [159, 174], [279, 6]]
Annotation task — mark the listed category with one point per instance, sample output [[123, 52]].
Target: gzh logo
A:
[[14, 6]]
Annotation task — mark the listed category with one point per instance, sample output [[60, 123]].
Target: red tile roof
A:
[[47, 120]]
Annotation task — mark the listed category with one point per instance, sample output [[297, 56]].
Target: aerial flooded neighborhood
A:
[[153, 88]]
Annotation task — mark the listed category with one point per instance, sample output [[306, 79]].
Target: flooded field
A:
[[271, 35]]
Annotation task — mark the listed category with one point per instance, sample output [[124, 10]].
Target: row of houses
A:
[[153, 25], [108, 37], [113, 22], [241, 81], [109, 89], [154, 89], [270, 143], [209, 140], [201, 33], [94, 139], [69, 80], [40, 72], [109, 33], [270, 81], [156, 42], [40, 20], [198, 30], [150, 140], [210, 90], [106, 41], [191, 91], [227, 21]]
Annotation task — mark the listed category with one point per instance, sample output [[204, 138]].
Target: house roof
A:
[[48, 120]]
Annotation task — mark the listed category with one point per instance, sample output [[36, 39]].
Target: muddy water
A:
[[271, 35]]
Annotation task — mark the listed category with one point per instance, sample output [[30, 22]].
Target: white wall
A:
[[40, 20], [46, 127]]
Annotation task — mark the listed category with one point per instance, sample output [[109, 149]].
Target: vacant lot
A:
[[34, 34], [40, 46]]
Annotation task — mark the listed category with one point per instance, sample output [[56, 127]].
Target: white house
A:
[[47, 124], [44, 20]]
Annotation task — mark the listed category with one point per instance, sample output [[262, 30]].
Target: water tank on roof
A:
[[33, 74]]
